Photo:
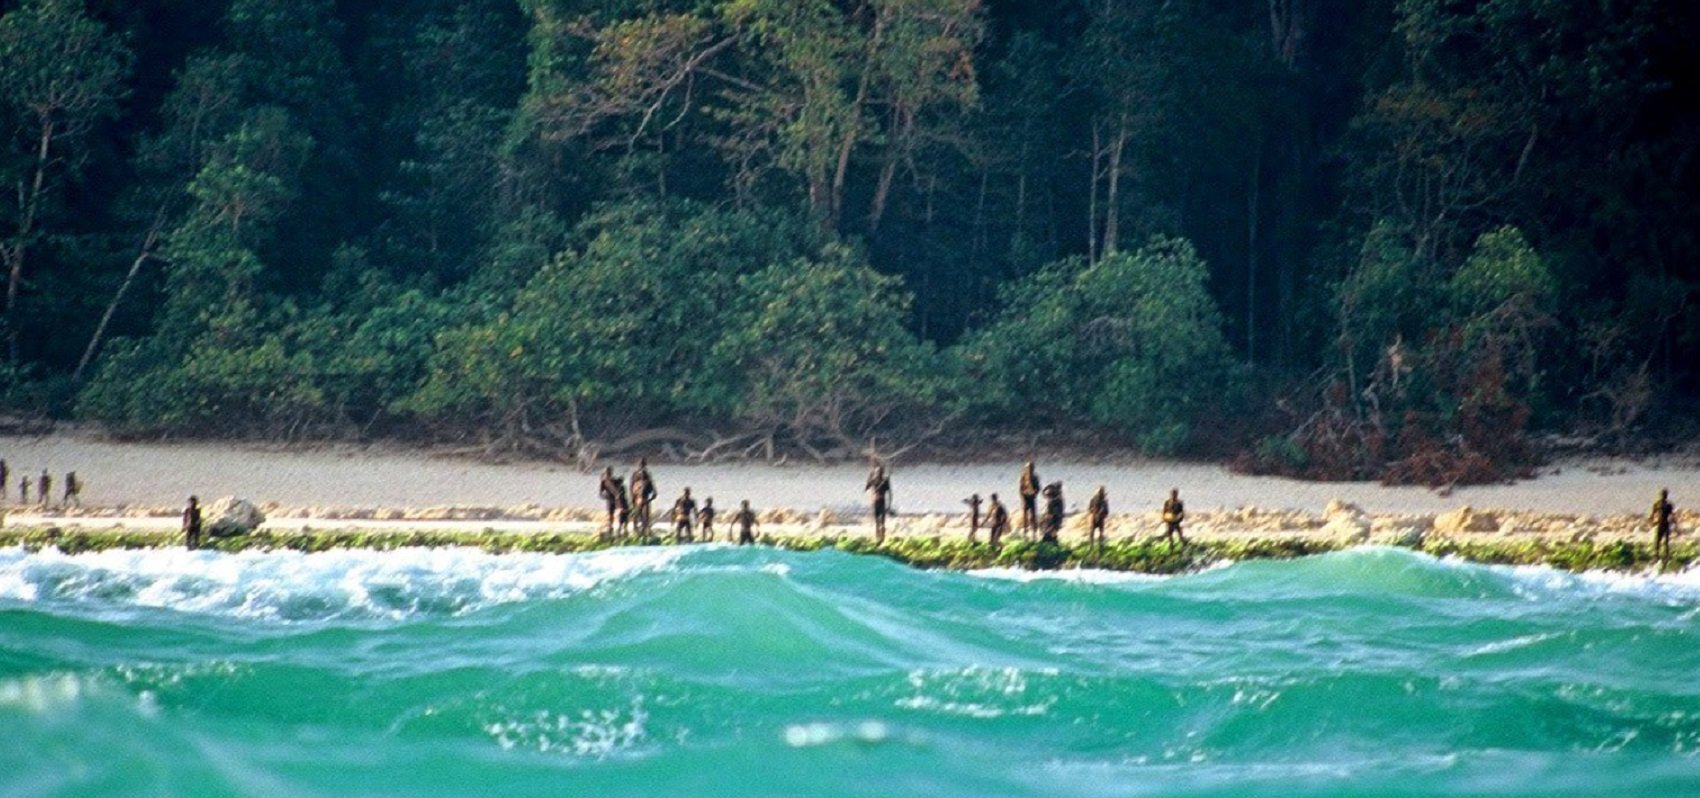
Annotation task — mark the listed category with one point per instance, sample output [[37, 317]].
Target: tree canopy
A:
[[1364, 231]]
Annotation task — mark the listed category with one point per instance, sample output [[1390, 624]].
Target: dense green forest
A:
[[1337, 238]]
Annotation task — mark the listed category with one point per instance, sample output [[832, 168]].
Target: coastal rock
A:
[[231, 516], [1345, 520], [1407, 536], [1465, 519], [1350, 528], [1340, 508], [825, 518]]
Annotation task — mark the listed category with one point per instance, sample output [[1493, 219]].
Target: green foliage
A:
[[1133, 342], [1387, 297], [631, 321], [819, 347]]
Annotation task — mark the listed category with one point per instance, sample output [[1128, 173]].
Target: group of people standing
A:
[[43, 485], [630, 503], [1047, 526]]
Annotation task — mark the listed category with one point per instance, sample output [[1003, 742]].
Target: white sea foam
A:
[[1086, 576], [592, 734], [977, 692], [290, 586], [1537, 581], [814, 735]]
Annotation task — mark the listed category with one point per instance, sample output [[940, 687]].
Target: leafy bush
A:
[[1133, 342]]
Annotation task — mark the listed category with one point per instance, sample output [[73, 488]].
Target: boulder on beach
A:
[[1346, 520], [231, 516], [1465, 519]]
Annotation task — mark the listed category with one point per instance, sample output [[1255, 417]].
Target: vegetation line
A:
[[1136, 556]]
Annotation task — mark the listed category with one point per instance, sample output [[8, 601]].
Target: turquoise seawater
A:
[[718, 671]]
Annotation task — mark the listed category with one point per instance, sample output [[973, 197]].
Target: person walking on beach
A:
[[745, 521], [643, 496], [879, 492], [1174, 513], [1660, 517], [684, 516], [1053, 511], [609, 490], [705, 520], [44, 488], [192, 524], [24, 489], [73, 490], [5, 475], [973, 503], [1097, 511], [1029, 499], [997, 522]]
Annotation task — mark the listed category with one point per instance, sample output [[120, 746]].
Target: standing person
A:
[[684, 516], [1174, 513], [5, 476], [1053, 511], [44, 488], [73, 489], [879, 492], [973, 503], [1097, 511], [705, 519], [192, 524], [24, 489], [1661, 519], [745, 520], [997, 522], [643, 496], [622, 507], [609, 489], [1029, 499]]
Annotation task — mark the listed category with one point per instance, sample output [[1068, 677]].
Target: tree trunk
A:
[[1251, 258], [841, 172], [1112, 195], [17, 251], [1092, 197], [142, 257], [888, 170]]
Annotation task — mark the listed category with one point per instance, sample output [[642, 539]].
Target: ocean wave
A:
[[294, 586], [1084, 576]]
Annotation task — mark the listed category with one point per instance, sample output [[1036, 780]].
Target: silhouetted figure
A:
[[73, 489], [1097, 512], [610, 491], [24, 489], [705, 519], [44, 488], [745, 521], [5, 479], [643, 496], [1661, 520], [622, 507], [1174, 514], [973, 503], [1029, 500], [1053, 511], [879, 492], [684, 517], [192, 524], [997, 522]]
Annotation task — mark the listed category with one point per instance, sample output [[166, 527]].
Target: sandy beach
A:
[[142, 484]]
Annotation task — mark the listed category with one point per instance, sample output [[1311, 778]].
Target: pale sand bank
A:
[[140, 484]]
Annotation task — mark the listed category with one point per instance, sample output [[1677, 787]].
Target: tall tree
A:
[[61, 74]]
